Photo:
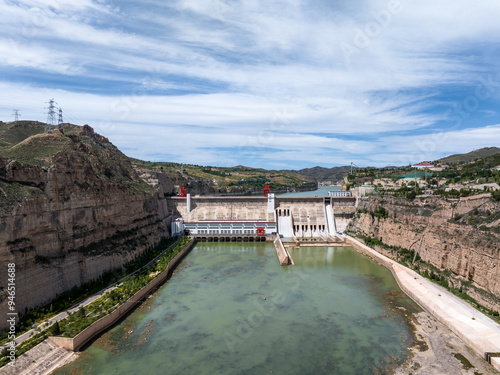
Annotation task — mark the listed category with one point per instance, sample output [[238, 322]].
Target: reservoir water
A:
[[321, 191], [231, 309]]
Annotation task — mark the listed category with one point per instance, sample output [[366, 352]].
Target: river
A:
[[321, 191], [231, 309]]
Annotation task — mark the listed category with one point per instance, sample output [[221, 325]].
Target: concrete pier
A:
[[282, 253]]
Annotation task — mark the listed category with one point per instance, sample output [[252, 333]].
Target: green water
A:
[[322, 191], [231, 309]]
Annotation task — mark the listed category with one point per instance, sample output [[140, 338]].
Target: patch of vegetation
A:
[[12, 193], [471, 156], [36, 150], [380, 212], [85, 316], [237, 179], [495, 195], [465, 362], [80, 293]]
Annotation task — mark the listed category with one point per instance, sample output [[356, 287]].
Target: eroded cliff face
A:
[[87, 212], [170, 184], [461, 235]]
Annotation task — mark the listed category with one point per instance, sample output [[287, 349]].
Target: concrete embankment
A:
[[283, 255], [474, 328], [99, 326]]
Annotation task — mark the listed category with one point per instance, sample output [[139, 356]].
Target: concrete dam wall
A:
[[304, 216]]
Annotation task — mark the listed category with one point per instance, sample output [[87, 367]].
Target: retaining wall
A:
[[283, 255], [105, 322], [480, 333]]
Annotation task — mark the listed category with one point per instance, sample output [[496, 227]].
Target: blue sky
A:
[[274, 84]]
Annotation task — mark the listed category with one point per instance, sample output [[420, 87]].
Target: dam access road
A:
[[474, 328]]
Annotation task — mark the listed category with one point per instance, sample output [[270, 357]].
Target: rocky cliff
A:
[[169, 184], [462, 236], [71, 207]]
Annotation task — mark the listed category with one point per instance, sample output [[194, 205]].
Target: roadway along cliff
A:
[[461, 236], [71, 208]]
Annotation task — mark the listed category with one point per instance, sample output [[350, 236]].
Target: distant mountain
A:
[[467, 158], [334, 174]]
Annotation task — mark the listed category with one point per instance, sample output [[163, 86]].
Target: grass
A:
[[85, 316], [12, 133], [80, 293], [230, 179], [12, 192], [37, 150], [26, 143]]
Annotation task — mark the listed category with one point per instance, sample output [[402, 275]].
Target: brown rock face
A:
[[170, 184], [92, 213], [461, 235]]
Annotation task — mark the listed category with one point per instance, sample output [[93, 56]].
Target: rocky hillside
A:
[[460, 236], [71, 207], [335, 174], [471, 156], [206, 180]]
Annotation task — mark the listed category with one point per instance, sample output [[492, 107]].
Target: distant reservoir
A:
[[231, 309], [322, 191]]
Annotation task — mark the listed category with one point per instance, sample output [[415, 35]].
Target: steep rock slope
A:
[[462, 236], [71, 207]]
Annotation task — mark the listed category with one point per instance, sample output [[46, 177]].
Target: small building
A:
[[423, 165], [340, 193], [177, 226], [256, 228]]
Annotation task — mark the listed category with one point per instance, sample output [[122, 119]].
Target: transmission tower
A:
[[353, 165], [16, 115], [60, 121], [51, 116]]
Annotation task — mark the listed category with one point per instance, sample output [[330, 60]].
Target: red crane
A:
[[266, 191]]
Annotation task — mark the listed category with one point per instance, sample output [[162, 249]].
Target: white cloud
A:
[[253, 60]]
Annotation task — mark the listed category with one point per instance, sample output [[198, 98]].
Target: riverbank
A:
[[55, 352], [477, 330], [232, 309], [440, 351]]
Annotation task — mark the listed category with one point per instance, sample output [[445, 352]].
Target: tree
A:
[[495, 195], [55, 329]]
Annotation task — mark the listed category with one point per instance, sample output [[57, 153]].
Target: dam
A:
[[295, 218]]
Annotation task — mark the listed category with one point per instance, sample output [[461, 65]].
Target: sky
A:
[[263, 83]]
